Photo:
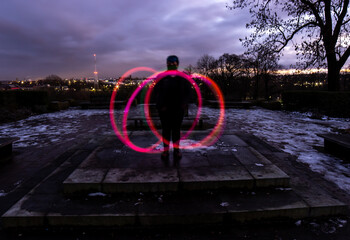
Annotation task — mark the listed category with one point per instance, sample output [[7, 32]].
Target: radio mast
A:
[[95, 74]]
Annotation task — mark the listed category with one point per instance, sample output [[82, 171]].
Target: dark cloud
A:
[[41, 37]]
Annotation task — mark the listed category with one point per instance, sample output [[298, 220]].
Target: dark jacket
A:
[[172, 92]]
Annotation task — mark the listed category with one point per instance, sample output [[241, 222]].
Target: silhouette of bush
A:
[[20, 99], [333, 104]]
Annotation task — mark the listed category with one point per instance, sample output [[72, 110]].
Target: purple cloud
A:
[[38, 38]]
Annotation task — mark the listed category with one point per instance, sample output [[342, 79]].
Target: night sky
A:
[[43, 37]]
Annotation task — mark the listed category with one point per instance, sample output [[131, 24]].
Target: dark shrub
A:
[[334, 104], [20, 99]]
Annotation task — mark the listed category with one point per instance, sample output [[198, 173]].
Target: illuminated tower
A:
[[95, 74]]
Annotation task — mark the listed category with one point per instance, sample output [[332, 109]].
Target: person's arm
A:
[[187, 90], [159, 95]]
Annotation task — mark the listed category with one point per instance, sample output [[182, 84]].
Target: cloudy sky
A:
[[43, 37]]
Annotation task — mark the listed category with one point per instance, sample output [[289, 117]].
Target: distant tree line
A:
[[240, 77], [254, 76]]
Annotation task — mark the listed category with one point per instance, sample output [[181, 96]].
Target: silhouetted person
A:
[[172, 97]]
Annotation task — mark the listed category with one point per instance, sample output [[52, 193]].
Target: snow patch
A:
[[97, 194], [224, 204]]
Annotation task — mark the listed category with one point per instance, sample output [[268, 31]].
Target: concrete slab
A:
[[204, 207], [91, 220], [84, 180], [268, 175], [185, 209], [16, 216], [222, 158], [266, 204], [194, 159], [136, 180], [262, 159], [232, 140], [246, 156], [103, 158], [320, 203], [139, 160], [215, 178], [327, 207], [143, 138]]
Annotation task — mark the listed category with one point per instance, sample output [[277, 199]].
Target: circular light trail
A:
[[114, 94], [146, 108], [212, 136], [210, 139]]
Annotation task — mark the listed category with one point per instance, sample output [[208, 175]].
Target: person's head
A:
[[172, 62]]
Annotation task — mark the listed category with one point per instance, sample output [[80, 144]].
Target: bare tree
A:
[[263, 61], [54, 80], [319, 30], [206, 64], [189, 69]]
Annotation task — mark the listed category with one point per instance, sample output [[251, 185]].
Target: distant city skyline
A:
[[40, 38]]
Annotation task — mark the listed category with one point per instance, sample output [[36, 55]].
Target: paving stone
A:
[[222, 158], [246, 156], [233, 141], [103, 158], [139, 160], [321, 203], [268, 175], [327, 207], [84, 180], [202, 208], [198, 135], [257, 143], [16, 216], [91, 220], [215, 177], [136, 180], [92, 212], [246, 206], [194, 159], [262, 159], [143, 138]]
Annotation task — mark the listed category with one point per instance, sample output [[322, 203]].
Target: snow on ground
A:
[[295, 133], [45, 129]]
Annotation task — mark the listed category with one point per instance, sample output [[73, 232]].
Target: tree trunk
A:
[[266, 82], [256, 92], [333, 76]]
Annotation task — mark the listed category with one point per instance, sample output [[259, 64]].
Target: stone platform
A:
[[231, 181], [230, 163]]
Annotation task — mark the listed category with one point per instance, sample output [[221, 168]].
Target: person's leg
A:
[[165, 120], [176, 132]]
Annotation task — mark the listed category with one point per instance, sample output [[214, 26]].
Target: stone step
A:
[[38, 210], [117, 180], [230, 164]]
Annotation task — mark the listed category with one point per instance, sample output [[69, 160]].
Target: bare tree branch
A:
[[343, 58], [341, 18]]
